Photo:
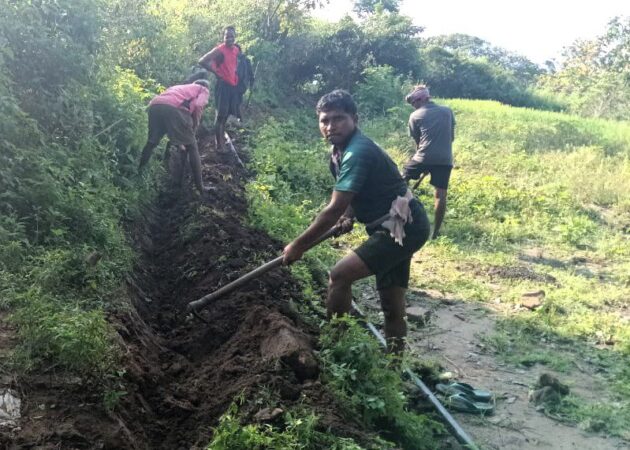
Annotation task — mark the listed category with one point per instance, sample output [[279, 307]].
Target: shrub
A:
[[67, 336], [298, 433], [357, 370], [380, 90]]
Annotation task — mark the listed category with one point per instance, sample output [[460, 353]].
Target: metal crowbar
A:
[[194, 307]]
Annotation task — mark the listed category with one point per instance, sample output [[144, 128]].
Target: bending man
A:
[[177, 113], [432, 127], [367, 186], [223, 60]]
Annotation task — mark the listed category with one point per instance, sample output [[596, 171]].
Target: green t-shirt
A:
[[370, 173]]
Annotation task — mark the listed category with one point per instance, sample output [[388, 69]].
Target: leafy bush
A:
[[70, 336], [356, 369], [298, 433], [380, 90], [64, 180]]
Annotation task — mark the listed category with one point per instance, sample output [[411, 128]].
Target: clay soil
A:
[[179, 374]]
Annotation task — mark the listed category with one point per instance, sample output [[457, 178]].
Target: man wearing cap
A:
[[222, 60], [177, 112], [432, 127]]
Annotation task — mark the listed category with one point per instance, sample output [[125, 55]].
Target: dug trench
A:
[[179, 375]]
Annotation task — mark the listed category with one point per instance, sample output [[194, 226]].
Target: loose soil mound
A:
[[181, 374]]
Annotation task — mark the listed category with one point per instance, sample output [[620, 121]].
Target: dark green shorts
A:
[[388, 260]]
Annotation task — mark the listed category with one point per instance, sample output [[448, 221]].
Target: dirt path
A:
[[453, 338], [179, 375]]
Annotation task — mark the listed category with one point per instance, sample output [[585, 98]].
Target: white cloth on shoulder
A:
[[399, 216]]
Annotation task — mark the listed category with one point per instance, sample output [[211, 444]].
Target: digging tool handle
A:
[[203, 301], [277, 262], [417, 183]]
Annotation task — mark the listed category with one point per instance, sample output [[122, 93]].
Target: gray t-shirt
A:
[[433, 128]]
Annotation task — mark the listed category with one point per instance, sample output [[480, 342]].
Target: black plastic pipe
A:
[[456, 430]]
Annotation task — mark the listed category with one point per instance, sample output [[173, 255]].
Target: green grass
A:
[[527, 180], [356, 369], [532, 179]]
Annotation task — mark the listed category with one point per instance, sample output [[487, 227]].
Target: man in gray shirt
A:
[[432, 127]]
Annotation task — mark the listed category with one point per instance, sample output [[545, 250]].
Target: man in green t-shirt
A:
[[368, 184]]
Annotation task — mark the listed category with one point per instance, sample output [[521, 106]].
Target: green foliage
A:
[[357, 370], [458, 75], [72, 337], [612, 418], [593, 77], [473, 47], [68, 149], [366, 7], [379, 91], [349, 48], [526, 179], [292, 183], [299, 433]]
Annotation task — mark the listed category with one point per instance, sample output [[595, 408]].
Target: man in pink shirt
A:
[[222, 60], [177, 113]]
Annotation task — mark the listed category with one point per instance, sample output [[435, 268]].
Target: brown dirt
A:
[[453, 339], [180, 374]]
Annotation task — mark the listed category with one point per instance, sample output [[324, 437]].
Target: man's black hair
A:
[[337, 100], [230, 28]]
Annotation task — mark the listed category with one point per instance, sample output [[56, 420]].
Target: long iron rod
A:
[[458, 432], [277, 262]]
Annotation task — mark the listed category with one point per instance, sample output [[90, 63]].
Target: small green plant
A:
[[359, 373], [297, 433], [67, 336], [111, 399], [600, 417]]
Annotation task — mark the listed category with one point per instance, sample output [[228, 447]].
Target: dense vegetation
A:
[[75, 76]]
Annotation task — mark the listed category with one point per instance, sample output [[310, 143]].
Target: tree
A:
[[393, 40], [594, 74], [473, 47], [366, 7]]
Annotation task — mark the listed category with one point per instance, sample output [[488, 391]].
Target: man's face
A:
[[337, 126], [229, 37]]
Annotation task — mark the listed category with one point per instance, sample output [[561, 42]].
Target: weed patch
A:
[[358, 372], [298, 431]]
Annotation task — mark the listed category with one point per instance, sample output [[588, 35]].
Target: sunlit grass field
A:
[[534, 187]]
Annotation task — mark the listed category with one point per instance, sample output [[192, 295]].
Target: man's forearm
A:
[[322, 223], [349, 213]]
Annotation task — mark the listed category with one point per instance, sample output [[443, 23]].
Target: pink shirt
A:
[[178, 96]]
